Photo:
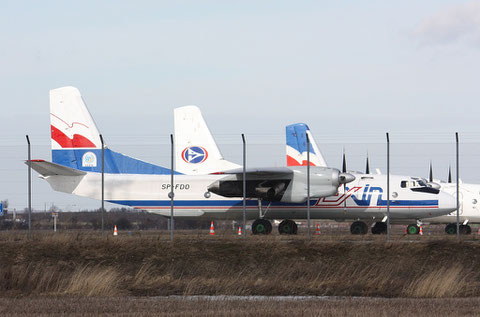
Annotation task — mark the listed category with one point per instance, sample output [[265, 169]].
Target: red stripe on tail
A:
[[292, 162], [65, 142]]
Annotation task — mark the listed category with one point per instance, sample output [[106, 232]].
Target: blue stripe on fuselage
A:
[[233, 203]]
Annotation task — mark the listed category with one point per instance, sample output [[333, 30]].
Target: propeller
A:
[[367, 166], [430, 178], [449, 174]]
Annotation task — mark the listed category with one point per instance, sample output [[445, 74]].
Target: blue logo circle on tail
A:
[[194, 154]]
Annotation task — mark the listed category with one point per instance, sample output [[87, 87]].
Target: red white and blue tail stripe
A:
[[296, 137], [76, 140]]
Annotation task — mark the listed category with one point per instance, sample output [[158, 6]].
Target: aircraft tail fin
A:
[[76, 141], [296, 137], [196, 151]]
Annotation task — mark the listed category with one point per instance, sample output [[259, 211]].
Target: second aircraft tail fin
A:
[[196, 150], [296, 137]]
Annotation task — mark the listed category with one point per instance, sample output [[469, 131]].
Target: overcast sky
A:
[[351, 70]]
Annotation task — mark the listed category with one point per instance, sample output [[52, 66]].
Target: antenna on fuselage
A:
[[367, 166]]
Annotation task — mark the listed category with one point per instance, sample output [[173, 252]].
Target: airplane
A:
[[214, 193], [469, 211], [363, 200]]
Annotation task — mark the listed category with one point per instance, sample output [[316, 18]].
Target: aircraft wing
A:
[[265, 183], [45, 168]]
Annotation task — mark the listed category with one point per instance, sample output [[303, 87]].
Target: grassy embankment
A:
[[82, 264]]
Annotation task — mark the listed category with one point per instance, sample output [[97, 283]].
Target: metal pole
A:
[[458, 187], [244, 231], [171, 194], [103, 184], [308, 187], [29, 190], [388, 187]]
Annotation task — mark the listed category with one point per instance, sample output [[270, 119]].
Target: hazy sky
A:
[[351, 70]]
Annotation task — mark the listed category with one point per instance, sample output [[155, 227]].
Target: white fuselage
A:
[[469, 199], [365, 198]]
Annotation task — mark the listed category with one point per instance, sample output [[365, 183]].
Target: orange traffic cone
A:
[[421, 230], [115, 232], [317, 230], [239, 230], [212, 229]]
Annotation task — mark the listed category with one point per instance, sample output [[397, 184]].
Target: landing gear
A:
[[379, 228], [359, 227], [465, 229], [261, 226], [413, 229], [451, 228], [287, 227]]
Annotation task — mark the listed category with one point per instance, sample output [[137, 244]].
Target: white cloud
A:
[[457, 23]]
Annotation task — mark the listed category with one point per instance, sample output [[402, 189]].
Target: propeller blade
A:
[[430, 177], [367, 167], [449, 174], [344, 165]]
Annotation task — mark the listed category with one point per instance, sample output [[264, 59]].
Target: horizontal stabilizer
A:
[[45, 168]]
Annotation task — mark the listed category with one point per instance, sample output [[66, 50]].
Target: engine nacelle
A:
[[286, 187], [324, 182]]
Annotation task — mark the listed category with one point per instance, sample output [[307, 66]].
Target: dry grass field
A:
[[149, 306], [147, 264]]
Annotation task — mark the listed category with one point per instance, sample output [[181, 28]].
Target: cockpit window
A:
[[422, 183], [419, 185]]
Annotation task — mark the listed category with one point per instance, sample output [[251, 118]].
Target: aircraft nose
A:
[[345, 178], [447, 202]]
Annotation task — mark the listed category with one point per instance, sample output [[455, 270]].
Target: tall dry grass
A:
[[79, 264], [443, 282], [94, 281]]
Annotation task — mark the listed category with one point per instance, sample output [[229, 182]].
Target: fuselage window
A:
[[408, 184]]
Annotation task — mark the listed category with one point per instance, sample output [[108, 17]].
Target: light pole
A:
[[29, 190], [388, 187], [244, 185], [458, 186], [171, 194], [103, 184], [308, 187]]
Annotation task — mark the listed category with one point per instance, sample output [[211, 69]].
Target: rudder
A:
[[296, 147]]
